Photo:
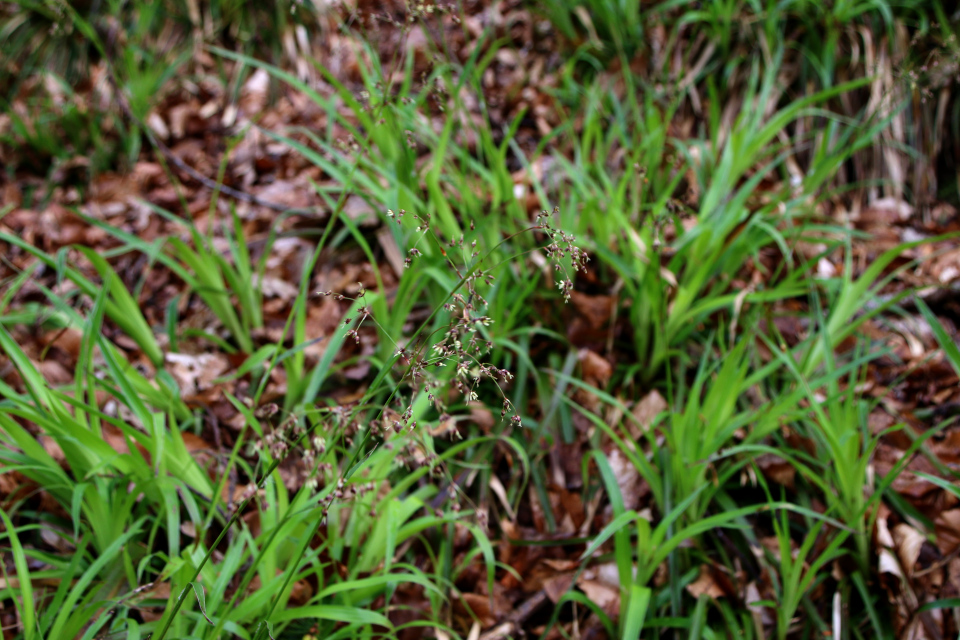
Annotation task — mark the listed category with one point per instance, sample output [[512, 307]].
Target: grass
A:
[[360, 477]]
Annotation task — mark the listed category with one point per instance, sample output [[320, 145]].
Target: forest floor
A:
[[480, 322]]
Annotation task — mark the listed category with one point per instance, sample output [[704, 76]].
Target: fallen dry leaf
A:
[[705, 584], [645, 411], [195, 374], [907, 542], [628, 478], [596, 369]]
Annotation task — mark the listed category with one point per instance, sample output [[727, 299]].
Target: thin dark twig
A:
[[178, 162]]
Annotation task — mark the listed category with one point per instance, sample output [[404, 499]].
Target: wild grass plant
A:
[[365, 526], [150, 539], [282, 515]]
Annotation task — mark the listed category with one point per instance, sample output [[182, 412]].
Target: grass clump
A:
[[419, 399]]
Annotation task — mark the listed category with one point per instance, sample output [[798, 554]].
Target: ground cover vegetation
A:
[[581, 319]]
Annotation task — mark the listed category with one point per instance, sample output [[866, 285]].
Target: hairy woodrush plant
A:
[[345, 453]]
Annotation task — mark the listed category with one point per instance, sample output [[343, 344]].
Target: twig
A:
[[178, 162], [515, 620]]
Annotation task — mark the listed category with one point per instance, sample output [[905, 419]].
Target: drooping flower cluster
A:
[[463, 343], [562, 245], [362, 313]]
